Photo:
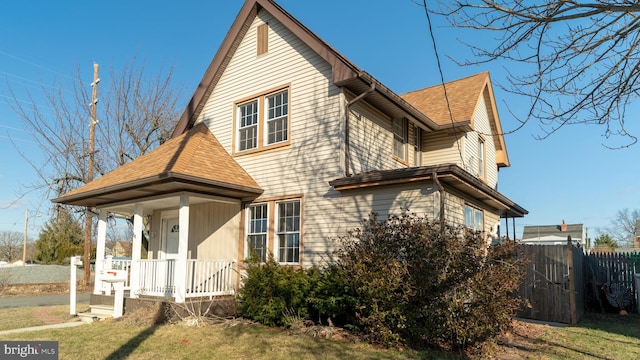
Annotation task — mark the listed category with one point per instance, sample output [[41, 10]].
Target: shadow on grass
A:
[[626, 325], [302, 346], [130, 346]]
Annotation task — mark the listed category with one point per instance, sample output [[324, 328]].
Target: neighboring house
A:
[[555, 235], [285, 145], [121, 249]]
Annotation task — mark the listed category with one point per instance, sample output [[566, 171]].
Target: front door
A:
[[170, 237], [170, 242]]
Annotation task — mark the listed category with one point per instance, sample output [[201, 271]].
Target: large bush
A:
[[427, 284], [403, 280], [272, 294]]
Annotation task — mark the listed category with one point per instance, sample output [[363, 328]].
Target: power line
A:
[[34, 82], [16, 129], [444, 87], [36, 65], [17, 139]]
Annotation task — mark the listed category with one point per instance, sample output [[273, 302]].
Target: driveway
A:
[[41, 300]]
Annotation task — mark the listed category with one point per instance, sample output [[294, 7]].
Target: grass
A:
[[595, 337], [17, 318], [119, 340]]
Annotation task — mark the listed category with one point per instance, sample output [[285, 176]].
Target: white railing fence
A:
[[210, 277], [158, 277]]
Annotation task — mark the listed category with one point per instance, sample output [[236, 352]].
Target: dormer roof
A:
[[457, 107]]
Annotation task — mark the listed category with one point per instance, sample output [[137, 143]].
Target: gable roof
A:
[[194, 161], [463, 97], [535, 231], [344, 72]]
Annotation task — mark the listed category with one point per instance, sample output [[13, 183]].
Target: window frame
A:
[[262, 109], [280, 244], [417, 145], [482, 157], [274, 235], [474, 212], [402, 139], [250, 233], [269, 119]]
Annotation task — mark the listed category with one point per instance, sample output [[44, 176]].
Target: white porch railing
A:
[[158, 277], [210, 277]]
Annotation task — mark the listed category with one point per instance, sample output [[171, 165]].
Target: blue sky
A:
[[568, 176]]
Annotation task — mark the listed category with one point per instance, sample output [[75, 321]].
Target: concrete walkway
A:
[[44, 327]]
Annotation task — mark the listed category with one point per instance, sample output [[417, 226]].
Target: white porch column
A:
[[134, 282], [183, 246], [100, 250]]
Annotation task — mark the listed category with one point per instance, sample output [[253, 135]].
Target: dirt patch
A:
[[44, 314], [520, 342]]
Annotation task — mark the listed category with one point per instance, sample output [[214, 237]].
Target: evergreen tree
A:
[[60, 238]]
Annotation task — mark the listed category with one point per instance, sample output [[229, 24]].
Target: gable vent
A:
[[263, 39]]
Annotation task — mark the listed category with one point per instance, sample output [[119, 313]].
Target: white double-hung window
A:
[[400, 131], [262, 121], [473, 218], [288, 231], [248, 126], [274, 226], [258, 231]]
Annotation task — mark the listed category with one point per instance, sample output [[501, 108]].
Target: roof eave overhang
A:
[[449, 174], [165, 183]]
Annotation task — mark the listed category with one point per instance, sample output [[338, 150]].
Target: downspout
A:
[[346, 126], [434, 175]]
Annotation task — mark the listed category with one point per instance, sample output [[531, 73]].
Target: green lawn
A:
[[595, 337]]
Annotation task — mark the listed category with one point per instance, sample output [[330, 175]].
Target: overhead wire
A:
[[444, 87]]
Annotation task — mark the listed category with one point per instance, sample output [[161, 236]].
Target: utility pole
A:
[[24, 243], [92, 135]]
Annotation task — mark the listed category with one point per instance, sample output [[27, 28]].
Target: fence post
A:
[[572, 285]]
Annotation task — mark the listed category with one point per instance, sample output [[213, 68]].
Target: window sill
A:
[[262, 149]]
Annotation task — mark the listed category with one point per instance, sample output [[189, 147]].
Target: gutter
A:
[[347, 148], [434, 177]]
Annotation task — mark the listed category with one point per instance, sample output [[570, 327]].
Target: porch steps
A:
[[96, 313]]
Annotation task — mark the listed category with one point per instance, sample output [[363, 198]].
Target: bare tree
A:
[[624, 226], [10, 245], [137, 112], [581, 59]]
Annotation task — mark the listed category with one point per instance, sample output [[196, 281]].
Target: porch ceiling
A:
[[167, 201]]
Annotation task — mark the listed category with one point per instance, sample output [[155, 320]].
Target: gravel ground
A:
[[37, 274]]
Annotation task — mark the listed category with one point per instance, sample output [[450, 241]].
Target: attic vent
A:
[[263, 39]]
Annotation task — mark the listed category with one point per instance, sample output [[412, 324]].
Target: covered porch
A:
[[185, 200]]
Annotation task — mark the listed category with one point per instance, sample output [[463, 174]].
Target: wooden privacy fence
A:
[[616, 269], [560, 280], [553, 283]]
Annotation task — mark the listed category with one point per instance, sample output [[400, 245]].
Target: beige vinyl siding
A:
[[370, 140], [214, 230], [482, 128], [315, 154], [442, 148]]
